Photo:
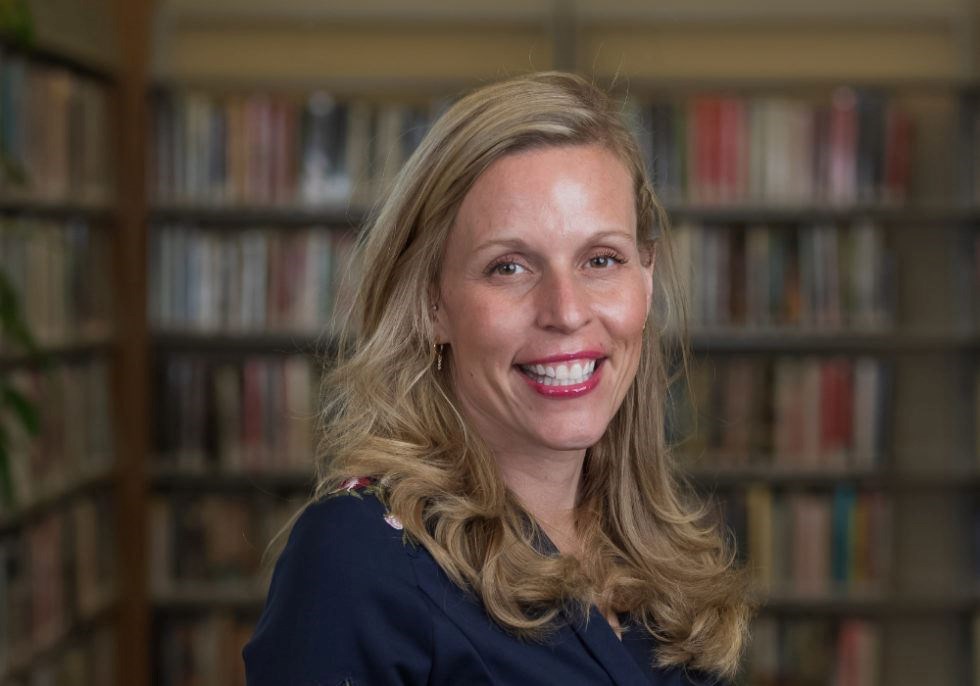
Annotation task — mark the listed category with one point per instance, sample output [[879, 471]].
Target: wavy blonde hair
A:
[[652, 549]]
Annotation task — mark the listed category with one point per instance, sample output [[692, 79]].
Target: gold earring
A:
[[438, 347]]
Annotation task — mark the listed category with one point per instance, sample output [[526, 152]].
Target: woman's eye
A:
[[604, 261], [506, 268]]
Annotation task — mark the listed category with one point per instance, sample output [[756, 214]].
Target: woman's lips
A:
[[564, 392]]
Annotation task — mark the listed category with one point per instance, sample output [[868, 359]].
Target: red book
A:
[[843, 148], [253, 386], [290, 190], [728, 146], [828, 412], [898, 144], [713, 154], [845, 406]]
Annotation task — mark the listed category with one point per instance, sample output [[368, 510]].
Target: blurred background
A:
[[181, 182]]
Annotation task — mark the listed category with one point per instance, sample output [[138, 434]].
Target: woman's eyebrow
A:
[[517, 242]]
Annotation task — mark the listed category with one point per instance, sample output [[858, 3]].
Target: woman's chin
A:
[[578, 440]]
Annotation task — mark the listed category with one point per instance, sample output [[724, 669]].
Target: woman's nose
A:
[[562, 302]]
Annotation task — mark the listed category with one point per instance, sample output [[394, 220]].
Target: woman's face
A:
[[543, 298]]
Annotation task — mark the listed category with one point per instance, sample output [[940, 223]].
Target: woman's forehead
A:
[[549, 188]]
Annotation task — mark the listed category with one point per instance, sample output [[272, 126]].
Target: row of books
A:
[[54, 134], [975, 646], [75, 439], [975, 288], [970, 136], [265, 148], [60, 272], [805, 413], [87, 659], [812, 543], [253, 415], [253, 280], [211, 542], [203, 649], [206, 649], [811, 277], [845, 652], [57, 570], [854, 147]]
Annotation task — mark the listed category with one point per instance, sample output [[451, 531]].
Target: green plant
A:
[[16, 22], [17, 27], [13, 403]]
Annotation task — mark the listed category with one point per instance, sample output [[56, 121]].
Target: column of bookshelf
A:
[[58, 590], [258, 196], [969, 272], [829, 358]]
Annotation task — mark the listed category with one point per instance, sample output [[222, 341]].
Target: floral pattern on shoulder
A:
[[356, 484]]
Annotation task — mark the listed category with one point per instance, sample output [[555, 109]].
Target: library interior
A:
[[182, 185]]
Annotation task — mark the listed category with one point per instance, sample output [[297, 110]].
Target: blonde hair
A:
[[651, 549]]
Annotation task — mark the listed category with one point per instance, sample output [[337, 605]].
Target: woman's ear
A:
[[438, 318], [648, 258]]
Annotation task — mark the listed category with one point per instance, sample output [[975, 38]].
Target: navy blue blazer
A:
[[352, 603]]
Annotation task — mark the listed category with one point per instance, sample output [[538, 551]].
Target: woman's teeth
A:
[[562, 374]]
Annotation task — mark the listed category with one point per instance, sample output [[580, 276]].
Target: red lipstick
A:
[[564, 392]]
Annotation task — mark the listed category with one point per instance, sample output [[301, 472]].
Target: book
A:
[[213, 543], [257, 280], [822, 278], [255, 415], [276, 149], [816, 544], [203, 649], [54, 134], [58, 270], [850, 148], [791, 413]]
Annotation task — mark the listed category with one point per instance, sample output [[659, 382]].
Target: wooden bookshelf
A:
[[62, 513], [929, 472]]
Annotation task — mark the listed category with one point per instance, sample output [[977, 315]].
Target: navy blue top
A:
[[352, 603]]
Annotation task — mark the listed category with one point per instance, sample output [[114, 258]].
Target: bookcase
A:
[[833, 311], [59, 599]]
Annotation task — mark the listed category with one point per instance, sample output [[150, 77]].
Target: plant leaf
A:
[[23, 408]]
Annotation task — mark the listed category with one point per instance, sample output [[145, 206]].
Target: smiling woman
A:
[[499, 412]]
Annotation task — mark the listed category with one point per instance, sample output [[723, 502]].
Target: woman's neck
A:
[[547, 485]]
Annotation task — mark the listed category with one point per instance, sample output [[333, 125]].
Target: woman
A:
[[498, 505]]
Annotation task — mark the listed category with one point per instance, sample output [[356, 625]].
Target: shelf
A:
[[68, 352], [206, 597], [702, 340], [866, 603], [224, 343], [776, 214], [277, 482], [776, 476], [57, 210], [802, 340], [345, 215], [14, 518], [53, 57], [291, 216], [20, 665], [644, 86], [211, 596], [884, 478]]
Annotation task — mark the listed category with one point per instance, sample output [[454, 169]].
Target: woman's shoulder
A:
[[343, 591], [352, 524]]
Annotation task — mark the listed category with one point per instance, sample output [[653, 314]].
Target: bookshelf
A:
[[59, 553], [914, 478]]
